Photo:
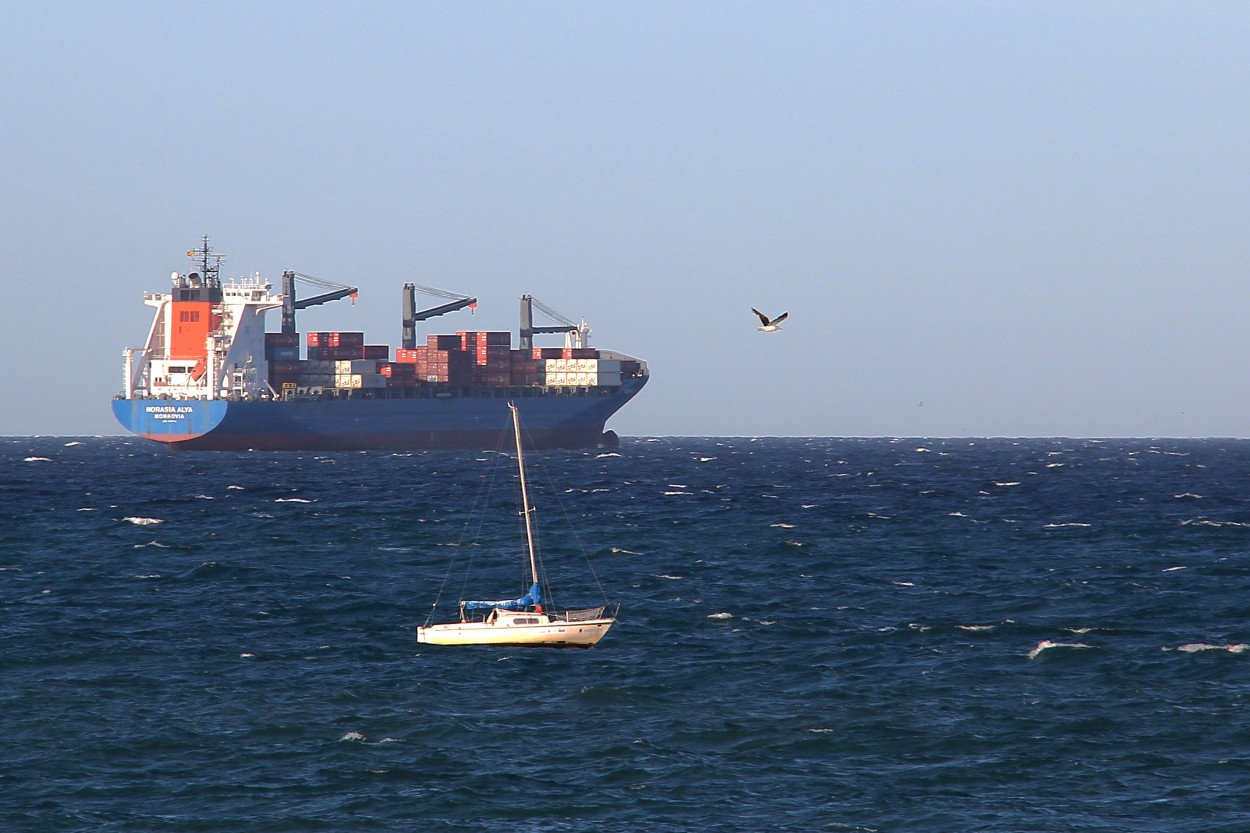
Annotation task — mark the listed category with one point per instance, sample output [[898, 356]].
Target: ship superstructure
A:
[[207, 339]]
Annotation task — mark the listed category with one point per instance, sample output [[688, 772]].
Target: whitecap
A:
[[1172, 569], [676, 493], [622, 550], [291, 500], [1072, 524], [782, 525], [235, 487], [904, 583], [246, 655], [670, 578], [721, 615], [607, 454], [142, 576], [975, 628], [1007, 483], [352, 736], [1047, 645], [1197, 647], [72, 444], [1187, 496], [156, 544], [809, 505], [38, 460], [143, 521]]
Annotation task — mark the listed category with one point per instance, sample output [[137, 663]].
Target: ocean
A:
[[817, 634]]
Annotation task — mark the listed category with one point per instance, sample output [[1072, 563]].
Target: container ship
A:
[[210, 377]]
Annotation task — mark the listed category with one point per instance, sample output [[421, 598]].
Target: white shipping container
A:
[[582, 379]]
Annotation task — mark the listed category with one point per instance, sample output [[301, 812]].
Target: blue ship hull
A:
[[465, 418]]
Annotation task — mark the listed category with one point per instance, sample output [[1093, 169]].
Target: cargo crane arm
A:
[[580, 332], [412, 315], [290, 304]]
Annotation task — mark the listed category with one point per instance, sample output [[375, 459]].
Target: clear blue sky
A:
[[1030, 217]]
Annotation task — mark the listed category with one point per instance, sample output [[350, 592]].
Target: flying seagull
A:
[[770, 326]]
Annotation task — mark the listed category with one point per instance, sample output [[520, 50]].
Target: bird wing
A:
[[763, 317], [780, 318]]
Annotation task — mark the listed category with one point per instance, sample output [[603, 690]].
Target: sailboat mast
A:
[[525, 496]]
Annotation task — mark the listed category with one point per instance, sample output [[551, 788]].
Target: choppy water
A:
[[815, 634]]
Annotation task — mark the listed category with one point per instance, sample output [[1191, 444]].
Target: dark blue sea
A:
[[814, 635]]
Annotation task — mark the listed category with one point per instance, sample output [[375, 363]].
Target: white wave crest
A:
[[137, 521], [38, 460], [1197, 647], [352, 736], [1211, 523], [292, 500], [721, 615], [1047, 645]]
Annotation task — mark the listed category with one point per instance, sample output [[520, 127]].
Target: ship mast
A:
[[525, 497]]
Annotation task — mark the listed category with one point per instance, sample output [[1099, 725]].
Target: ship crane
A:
[[412, 315], [290, 304], [576, 335]]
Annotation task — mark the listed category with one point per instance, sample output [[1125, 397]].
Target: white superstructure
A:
[[207, 339]]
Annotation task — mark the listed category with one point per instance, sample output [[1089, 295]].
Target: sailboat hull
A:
[[546, 634]]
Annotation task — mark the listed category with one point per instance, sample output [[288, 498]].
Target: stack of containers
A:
[[442, 360], [282, 359], [358, 373], [333, 346], [582, 372], [492, 357], [399, 374], [524, 368]]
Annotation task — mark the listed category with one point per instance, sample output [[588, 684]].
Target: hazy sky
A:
[[985, 218]]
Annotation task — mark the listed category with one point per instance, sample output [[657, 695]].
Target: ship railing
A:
[[584, 615]]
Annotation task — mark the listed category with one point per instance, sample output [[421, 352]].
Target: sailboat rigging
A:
[[525, 621]]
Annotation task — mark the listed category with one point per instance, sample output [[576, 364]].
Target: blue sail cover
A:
[[534, 597]]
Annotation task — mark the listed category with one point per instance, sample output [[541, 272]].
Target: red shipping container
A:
[[579, 353]]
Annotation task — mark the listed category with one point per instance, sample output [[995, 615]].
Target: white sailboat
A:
[[524, 621]]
